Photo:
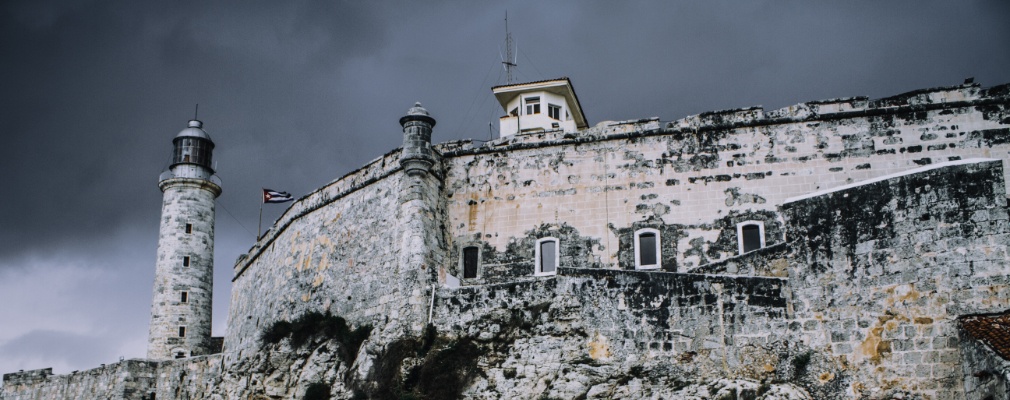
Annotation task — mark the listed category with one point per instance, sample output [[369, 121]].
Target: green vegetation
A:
[[313, 325]]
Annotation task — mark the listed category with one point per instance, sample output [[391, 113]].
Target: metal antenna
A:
[[510, 57], [196, 112]]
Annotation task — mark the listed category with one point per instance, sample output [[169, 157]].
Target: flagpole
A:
[[259, 228]]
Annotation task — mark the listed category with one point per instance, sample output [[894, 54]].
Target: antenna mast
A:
[[510, 57]]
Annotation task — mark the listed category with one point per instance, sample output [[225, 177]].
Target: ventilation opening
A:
[[184, 298], [189, 228], [185, 261], [182, 331], [471, 257]]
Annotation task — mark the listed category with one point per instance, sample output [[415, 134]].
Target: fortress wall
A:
[[712, 324], [125, 380], [194, 378], [984, 370], [880, 272], [336, 250], [700, 176]]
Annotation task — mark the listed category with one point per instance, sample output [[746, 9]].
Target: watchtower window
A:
[[184, 297], [547, 256], [533, 105], [750, 235], [647, 249], [177, 355], [185, 261], [471, 258], [182, 331], [189, 228], [553, 111]]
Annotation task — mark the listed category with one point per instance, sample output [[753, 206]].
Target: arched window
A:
[[750, 236], [471, 260], [547, 255], [647, 249]]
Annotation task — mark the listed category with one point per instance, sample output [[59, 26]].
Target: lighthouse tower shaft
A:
[[184, 271]]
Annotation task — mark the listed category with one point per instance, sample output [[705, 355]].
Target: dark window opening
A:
[[189, 228], [553, 111], [647, 249], [751, 237], [182, 331], [470, 258], [179, 355], [184, 298], [185, 261], [514, 112], [548, 256]]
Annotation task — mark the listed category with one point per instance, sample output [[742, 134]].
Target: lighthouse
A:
[[184, 269]]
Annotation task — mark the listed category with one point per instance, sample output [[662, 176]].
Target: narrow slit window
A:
[[185, 261], [182, 331], [547, 256], [189, 228], [184, 297], [471, 258], [647, 251], [751, 236]]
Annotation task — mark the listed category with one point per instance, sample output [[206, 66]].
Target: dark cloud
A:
[[296, 95]]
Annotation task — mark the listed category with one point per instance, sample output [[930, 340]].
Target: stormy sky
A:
[[296, 94]]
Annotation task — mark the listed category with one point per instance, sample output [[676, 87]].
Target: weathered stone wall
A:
[[333, 250], [696, 178], [986, 374], [880, 272], [711, 326], [364, 247], [125, 380]]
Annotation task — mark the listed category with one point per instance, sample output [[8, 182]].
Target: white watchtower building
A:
[[539, 106], [184, 271]]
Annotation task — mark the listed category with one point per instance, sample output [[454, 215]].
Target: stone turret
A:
[[422, 210], [417, 157], [184, 270]]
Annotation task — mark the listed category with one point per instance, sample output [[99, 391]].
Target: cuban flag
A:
[[273, 196]]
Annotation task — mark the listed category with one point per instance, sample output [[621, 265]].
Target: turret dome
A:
[[195, 129]]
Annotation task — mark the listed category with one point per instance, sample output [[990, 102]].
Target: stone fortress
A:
[[839, 249]]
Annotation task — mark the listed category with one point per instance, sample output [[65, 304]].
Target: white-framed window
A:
[[547, 255], [470, 261], [750, 236], [554, 111], [647, 249], [532, 105]]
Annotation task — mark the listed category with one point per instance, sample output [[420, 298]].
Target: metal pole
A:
[[431, 306], [259, 228]]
